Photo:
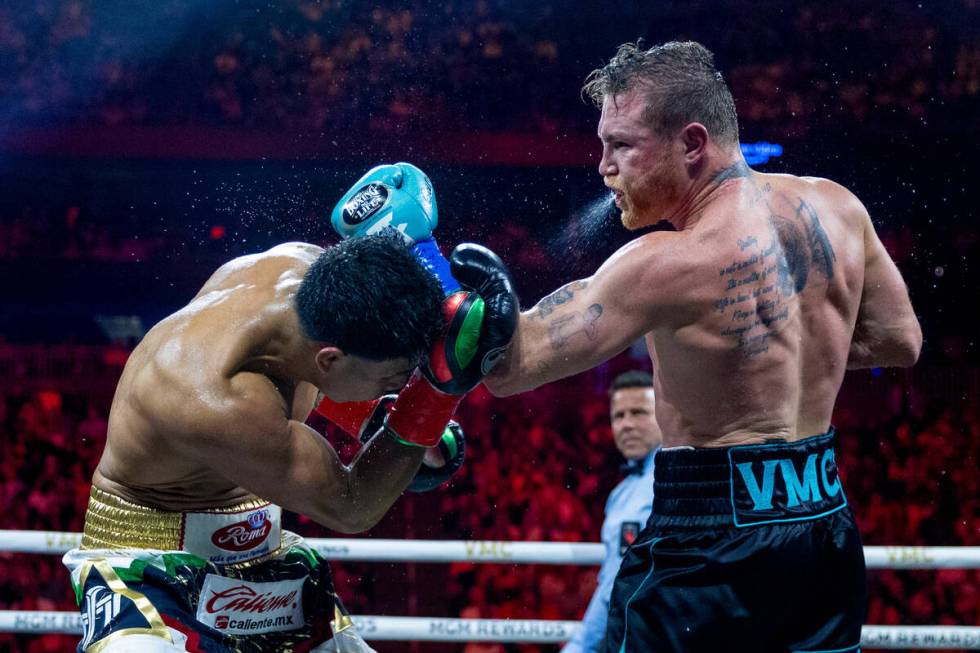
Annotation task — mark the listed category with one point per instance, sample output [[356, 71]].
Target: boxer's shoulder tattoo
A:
[[562, 329], [822, 254], [549, 303], [804, 247], [734, 171]]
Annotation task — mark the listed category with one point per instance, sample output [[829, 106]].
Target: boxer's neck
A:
[[284, 353], [713, 182]]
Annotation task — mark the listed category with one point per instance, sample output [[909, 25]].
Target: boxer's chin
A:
[[630, 219]]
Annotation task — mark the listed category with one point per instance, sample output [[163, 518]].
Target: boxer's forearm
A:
[[567, 332], [378, 475], [521, 368], [299, 470]]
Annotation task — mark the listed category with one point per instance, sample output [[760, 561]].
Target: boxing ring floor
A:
[[429, 629]]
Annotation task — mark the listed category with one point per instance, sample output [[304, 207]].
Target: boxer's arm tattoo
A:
[[562, 329], [548, 304]]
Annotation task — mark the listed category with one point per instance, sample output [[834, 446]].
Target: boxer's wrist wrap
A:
[[420, 414], [428, 254]]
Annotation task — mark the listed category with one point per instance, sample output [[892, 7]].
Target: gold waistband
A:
[[112, 522]]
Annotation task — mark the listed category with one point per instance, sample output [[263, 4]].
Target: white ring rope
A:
[[423, 629], [548, 553], [512, 631]]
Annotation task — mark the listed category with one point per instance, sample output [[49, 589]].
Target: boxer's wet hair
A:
[[371, 297], [681, 85], [631, 379]]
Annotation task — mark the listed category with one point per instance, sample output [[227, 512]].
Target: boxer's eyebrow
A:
[[615, 136]]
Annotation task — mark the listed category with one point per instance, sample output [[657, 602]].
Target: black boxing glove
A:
[[481, 272], [452, 447]]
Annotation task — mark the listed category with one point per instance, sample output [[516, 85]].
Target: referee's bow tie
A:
[[631, 467]]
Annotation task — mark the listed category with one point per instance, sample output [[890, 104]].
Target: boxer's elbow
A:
[[911, 346], [350, 521], [904, 344], [345, 513], [352, 525], [896, 347]]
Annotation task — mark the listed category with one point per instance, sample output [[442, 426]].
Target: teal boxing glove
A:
[[398, 196], [395, 196]]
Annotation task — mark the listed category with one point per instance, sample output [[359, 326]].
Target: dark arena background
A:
[[144, 143]]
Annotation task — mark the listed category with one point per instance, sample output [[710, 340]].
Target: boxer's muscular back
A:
[[766, 305], [177, 378]]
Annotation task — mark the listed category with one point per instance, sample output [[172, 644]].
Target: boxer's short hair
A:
[[370, 297], [681, 85], [631, 379]]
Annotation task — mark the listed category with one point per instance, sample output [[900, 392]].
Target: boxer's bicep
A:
[[277, 459]]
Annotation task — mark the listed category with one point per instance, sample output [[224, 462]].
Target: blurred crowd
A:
[[78, 251], [539, 468], [486, 65]]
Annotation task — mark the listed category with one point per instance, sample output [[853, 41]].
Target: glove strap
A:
[[428, 254], [420, 414]]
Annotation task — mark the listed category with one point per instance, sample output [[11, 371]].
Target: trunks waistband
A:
[[747, 485], [245, 532]]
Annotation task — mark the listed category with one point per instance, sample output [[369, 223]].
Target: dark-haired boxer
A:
[[767, 290], [182, 548]]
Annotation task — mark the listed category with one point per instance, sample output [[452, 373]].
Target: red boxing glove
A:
[[418, 417], [422, 410], [420, 414], [361, 419]]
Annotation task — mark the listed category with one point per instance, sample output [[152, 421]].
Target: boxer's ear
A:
[[695, 138], [328, 357]]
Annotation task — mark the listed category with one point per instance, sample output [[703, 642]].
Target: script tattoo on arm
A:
[[548, 304], [563, 328], [760, 286]]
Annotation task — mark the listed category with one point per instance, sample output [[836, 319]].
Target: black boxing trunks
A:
[[748, 548], [208, 581]]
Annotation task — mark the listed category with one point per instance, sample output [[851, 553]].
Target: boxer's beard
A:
[[648, 200]]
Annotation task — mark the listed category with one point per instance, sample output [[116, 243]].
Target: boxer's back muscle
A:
[[761, 346], [177, 379]]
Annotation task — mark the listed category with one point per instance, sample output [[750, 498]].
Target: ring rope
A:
[[512, 631], [487, 551]]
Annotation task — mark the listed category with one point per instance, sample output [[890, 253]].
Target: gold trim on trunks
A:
[[112, 522]]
